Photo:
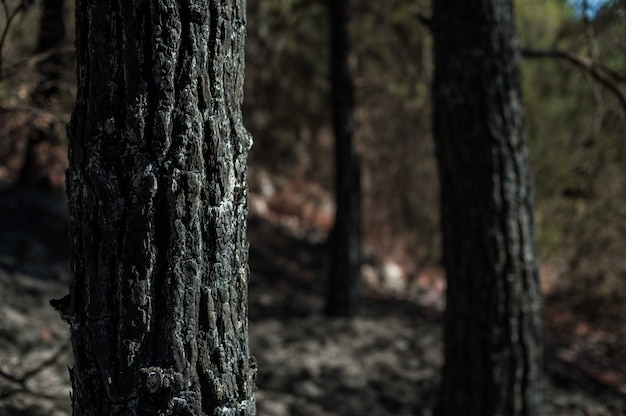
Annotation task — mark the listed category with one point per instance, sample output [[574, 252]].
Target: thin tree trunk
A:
[[157, 199], [51, 36], [51, 26], [492, 323], [344, 288]]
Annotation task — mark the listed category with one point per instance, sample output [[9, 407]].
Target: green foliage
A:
[[576, 128], [288, 112], [286, 80], [577, 131], [540, 22]]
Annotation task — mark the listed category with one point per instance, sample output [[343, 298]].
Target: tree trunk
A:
[[51, 36], [344, 288], [51, 26], [158, 207], [50, 70], [492, 323]]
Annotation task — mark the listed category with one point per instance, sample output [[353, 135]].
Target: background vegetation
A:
[[576, 127]]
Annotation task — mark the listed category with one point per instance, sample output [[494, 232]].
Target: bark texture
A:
[[492, 326], [158, 206], [344, 288]]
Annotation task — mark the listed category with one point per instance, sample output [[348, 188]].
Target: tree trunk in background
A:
[[158, 207], [493, 329], [51, 36], [51, 26], [46, 87], [344, 288]]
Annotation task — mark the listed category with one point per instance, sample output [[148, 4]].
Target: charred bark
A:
[[492, 321], [344, 288], [158, 207]]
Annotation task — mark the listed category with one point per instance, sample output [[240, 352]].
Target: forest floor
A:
[[385, 362]]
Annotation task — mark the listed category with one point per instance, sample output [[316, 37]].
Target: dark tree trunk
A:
[[158, 207], [50, 70], [51, 36], [344, 288], [492, 322], [51, 26]]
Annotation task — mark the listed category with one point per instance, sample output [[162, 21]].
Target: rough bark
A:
[[492, 322], [158, 207], [344, 288]]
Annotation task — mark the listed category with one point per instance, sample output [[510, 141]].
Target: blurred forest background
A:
[[577, 131]]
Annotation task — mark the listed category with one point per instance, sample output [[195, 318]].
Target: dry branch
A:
[[615, 82]]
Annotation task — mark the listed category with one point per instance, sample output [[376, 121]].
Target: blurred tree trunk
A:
[[51, 36], [344, 288], [42, 140], [493, 329], [158, 207], [51, 26]]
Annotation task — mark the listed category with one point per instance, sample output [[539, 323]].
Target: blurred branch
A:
[[35, 59], [63, 116], [9, 16], [593, 55], [615, 82], [426, 21], [416, 9]]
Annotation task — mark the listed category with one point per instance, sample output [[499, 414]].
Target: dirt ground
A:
[[385, 362]]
